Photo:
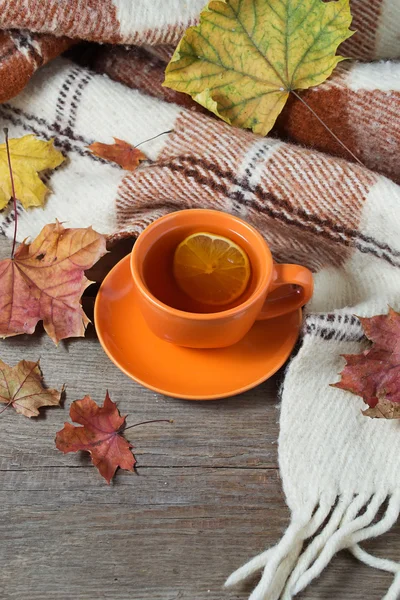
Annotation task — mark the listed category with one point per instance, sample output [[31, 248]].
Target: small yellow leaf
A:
[[29, 156], [245, 56]]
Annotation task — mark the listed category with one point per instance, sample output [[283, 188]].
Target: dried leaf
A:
[[122, 153], [384, 410], [29, 156], [22, 387], [245, 56], [375, 373], [45, 281], [100, 435]]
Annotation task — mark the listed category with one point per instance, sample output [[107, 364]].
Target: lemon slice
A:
[[211, 269]]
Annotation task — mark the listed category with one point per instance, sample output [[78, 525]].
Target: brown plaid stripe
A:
[[21, 54], [306, 204]]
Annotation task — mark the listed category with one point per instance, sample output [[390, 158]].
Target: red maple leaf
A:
[[375, 373], [100, 435]]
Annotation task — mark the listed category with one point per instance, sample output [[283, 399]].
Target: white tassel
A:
[[312, 551], [383, 525], [294, 534], [340, 539], [287, 571], [286, 566], [283, 572], [287, 551], [384, 564], [389, 519], [260, 561], [394, 590], [256, 563]]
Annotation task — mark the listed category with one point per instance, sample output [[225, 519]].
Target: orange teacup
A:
[[273, 290]]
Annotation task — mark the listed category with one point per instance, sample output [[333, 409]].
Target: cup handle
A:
[[276, 306]]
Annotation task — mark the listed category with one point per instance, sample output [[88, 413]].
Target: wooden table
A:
[[207, 496]]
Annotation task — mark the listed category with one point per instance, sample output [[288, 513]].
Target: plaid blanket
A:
[[39, 31], [298, 187]]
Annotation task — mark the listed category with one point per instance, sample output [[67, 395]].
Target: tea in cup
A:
[[178, 317]]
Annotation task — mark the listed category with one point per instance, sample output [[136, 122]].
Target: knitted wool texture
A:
[[338, 218]]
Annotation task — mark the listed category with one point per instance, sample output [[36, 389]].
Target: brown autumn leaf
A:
[[375, 373], [122, 153], [22, 388], [45, 281], [100, 435], [383, 410]]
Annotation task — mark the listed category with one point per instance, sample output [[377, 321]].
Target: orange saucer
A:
[[187, 373]]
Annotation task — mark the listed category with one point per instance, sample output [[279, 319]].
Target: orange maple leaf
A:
[[45, 281], [22, 388], [100, 435], [122, 153]]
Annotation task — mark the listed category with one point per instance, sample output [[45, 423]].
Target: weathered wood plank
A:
[[208, 495], [169, 533], [241, 431]]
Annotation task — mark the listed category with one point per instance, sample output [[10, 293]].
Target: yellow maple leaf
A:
[[246, 56], [29, 156]]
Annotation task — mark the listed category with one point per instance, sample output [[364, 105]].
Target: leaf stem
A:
[[13, 194], [327, 128], [154, 137], [6, 406], [146, 422]]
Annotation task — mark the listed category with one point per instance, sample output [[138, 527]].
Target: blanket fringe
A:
[[333, 524]]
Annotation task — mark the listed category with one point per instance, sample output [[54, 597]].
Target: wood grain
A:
[[207, 496]]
